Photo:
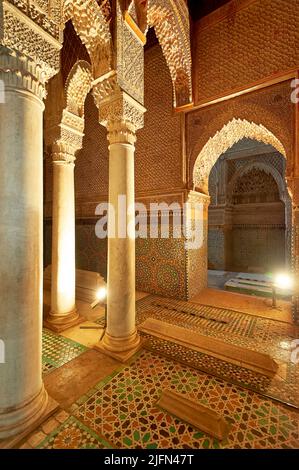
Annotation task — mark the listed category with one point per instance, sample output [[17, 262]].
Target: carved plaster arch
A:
[[268, 169], [91, 23], [170, 18], [70, 129], [229, 135], [77, 87]]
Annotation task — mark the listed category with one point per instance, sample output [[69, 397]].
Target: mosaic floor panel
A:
[[122, 408], [58, 350], [256, 333], [285, 390], [73, 435], [252, 332]]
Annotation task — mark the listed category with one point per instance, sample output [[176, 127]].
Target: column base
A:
[[14, 441], [121, 349], [59, 323], [19, 419]]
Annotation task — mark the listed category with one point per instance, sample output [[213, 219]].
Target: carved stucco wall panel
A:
[[171, 22], [158, 159], [92, 26], [231, 133], [130, 60], [38, 43], [270, 107], [249, 44]]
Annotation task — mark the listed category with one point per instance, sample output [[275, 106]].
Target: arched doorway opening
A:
[[272, 189], [249, 212]]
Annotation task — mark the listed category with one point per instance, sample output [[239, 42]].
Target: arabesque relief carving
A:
[[69, 139], [225, 138], [92, 26], [171, 22]]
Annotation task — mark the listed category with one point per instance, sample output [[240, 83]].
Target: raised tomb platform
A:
[[87, 283]]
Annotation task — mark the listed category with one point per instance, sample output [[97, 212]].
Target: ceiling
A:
[[200, 8]]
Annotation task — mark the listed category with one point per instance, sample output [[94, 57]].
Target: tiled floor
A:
[[282, 387], [58, 350], [73, 435], [257, 333], [121, 410]]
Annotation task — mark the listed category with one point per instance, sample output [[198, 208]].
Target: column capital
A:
[[30, 43], [121, 114], [70, 138], [63, 153]]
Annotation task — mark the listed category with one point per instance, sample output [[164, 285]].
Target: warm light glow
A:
[[102, 293], [284, 345], [283, 281]]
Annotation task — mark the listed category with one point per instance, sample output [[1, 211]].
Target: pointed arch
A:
[[170, 18], [229, 135], [77, 87], [265, 167], [92, 26]]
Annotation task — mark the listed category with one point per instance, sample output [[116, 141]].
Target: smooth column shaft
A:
[[121, 249], [63, 241], [22, 396]]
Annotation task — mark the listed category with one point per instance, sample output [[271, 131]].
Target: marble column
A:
[[23, 398], [121, 334], [122, 116], [63, 313]]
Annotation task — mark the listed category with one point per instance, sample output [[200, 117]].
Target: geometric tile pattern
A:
[[203, 316], [282, 389], [58, 350], [73, 435], [257, 333], [124, 410], [238, 328]]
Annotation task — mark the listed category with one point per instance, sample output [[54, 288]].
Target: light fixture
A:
[[101, 293], [101, 296], [283, 281], [285, 345]]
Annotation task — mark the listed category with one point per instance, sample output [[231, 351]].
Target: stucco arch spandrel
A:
[[77, 87], [270, 107], [225, 138], [170, 18], [91, 23], [69, 103]]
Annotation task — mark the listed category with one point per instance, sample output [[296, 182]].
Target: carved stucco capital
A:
[[64, 152], [118, 112], [70, 138], [18, 71]]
